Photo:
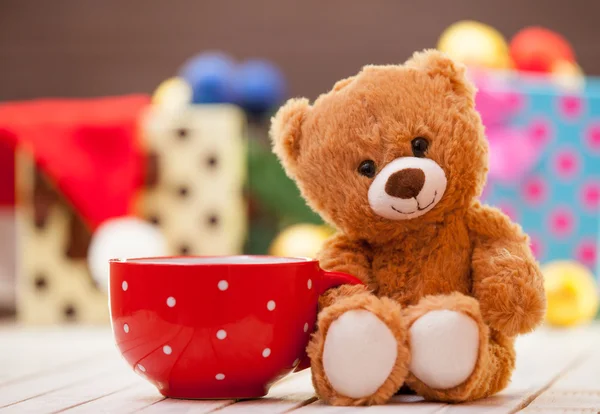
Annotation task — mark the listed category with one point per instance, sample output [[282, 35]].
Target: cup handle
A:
[[327, 281], [330, 280]]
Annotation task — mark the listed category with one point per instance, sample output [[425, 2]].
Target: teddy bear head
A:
[[390, 149]]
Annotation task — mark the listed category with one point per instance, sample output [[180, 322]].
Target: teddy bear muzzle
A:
[[406, 188]]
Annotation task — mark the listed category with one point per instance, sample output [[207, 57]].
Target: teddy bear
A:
[[395, 159]]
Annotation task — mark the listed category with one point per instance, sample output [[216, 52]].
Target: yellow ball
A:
[[300, 240], [174, 93], [475, 44], [568, 75], [571, 293]]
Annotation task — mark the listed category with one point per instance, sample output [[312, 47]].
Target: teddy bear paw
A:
[[444, 348], [359, 353]]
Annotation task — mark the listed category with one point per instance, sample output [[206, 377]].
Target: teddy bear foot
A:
[[359, 353], [444, 345], [449, 348]]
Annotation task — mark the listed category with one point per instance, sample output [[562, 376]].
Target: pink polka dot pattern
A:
[[540, 131], [509, 210], [562, 222], [536, 246], [556, 198], [586, 252], [516, 101], [570, 107], [566, 163], [535, 190], [592, 138], [590, 195]]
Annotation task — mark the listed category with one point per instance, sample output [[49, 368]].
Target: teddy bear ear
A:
[[436, 63], [286, 130]]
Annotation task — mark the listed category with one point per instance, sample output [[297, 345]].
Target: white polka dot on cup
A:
[[223, 285], [220, 377], [171, 301], [124, 285], [271, 305], [306, 327], [141, 367], [296, 362], [309, 283], [221, 334], [266, 352], [126, 328], [167, 350]]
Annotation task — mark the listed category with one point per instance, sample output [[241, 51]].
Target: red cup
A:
[[216, 327]]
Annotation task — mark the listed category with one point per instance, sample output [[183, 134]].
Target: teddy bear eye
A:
[[367, 168], [419, 146]]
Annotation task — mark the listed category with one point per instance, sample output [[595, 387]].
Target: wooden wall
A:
[[100, 47]]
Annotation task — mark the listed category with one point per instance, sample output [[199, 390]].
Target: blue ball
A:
[[259, 86], [210, 76]]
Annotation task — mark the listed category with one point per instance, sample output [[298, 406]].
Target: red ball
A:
[[537, 49]]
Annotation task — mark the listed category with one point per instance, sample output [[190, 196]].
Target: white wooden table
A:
[[78, 370]]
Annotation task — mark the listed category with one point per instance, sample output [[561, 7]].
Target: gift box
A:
[[102, 176], [7, 227], [545, 161]]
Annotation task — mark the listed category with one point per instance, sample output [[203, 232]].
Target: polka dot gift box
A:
[[100, 178], [545, 162]]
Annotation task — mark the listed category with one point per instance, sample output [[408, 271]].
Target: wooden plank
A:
[[172, 406], [566, 401], [35, 386], [128, 400], [79, 393], [577, 390], [39, 365], [289, 394], [26, 351], [403, 404]]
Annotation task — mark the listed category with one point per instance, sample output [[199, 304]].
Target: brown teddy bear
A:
[[395, 158]]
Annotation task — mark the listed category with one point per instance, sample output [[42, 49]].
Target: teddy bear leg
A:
[[455, 356], [359, 353]]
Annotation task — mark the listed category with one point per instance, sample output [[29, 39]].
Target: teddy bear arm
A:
[[341, 254], [506, 278]]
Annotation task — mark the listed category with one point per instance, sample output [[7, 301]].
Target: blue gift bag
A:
[[557, 197]]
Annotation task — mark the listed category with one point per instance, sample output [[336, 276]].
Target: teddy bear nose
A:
[[406, 183]]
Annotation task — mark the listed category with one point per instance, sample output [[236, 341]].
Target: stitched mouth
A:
[[419, 208]]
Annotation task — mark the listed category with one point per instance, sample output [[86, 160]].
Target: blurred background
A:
[[134, 128], [85, 48]]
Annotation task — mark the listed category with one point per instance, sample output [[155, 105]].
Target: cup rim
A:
[[166, 261]]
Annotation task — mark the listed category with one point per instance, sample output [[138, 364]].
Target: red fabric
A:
[[88, 148], [7, 173]]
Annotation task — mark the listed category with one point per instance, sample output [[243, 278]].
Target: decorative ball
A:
[[173, 93], [475, 44], [536, 49], [122, 238], [300, 240], [211, 77], [259, 86], [571, 293], [568, 76]]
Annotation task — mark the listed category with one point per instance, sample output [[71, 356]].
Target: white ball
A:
[[122, 238]]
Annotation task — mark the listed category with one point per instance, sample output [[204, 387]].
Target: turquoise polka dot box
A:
[[544, 138]]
